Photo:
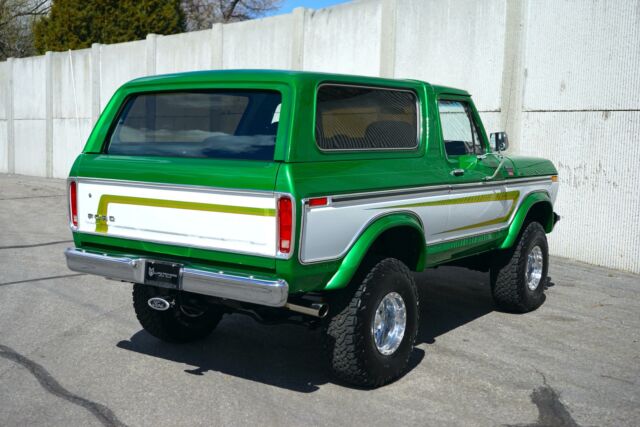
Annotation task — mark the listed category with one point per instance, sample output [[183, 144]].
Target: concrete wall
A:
[[264, 43], [459, 43], [344, 39], [71, 92], [171, 56], [560, 77], [581, 108], [5, 101], [120, 63], [29, 115]]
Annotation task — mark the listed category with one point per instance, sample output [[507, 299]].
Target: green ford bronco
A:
[[308, 197]]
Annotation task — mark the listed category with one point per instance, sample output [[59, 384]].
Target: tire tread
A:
[[506, 283], [346, 346]]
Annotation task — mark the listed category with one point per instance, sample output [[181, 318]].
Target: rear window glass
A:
[[238, 124], [363, 118]]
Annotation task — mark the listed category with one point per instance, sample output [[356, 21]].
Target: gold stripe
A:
[[493, 197], [491, 221], [107, 199], [483, 198]]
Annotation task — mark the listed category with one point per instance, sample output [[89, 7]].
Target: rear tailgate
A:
[[187, 173], [233, 221]]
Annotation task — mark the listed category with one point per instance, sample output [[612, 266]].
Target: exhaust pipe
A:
[[319, 310]]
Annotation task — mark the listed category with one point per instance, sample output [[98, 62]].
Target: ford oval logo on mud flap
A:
[[159, 304]]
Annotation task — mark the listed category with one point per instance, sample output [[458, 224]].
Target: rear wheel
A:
[[519, 275], [180, 322], [371, 334]]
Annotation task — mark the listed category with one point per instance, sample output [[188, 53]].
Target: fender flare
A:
[[351, 262], [525, 207]]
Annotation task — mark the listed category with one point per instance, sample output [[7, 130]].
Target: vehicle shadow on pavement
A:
[[291, 357], [451, 297]]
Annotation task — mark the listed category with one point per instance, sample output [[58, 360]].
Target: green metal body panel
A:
[[351, 262], [302, 170], [518, 220], [450, 251]]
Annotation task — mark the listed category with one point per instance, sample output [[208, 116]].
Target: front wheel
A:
[[181, 322], [371, 335], [519, 275]]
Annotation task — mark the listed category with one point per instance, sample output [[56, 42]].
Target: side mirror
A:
[[499, 141]]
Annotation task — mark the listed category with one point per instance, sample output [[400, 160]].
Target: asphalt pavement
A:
[[72, 352]]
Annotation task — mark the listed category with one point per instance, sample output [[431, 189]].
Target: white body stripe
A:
[[329, 232], [208, 229]]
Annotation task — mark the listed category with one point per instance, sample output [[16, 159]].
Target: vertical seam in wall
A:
[[48, 114], [217, 39], [100, 78], [513, 79], [388, 18], [299, 17], [11, 148], [150, 53], [221, 46], [95, 82]]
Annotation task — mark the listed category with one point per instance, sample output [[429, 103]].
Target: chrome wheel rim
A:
[[535, 263], [389, 323]]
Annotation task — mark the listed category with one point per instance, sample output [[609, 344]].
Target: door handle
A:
[[457, 172]]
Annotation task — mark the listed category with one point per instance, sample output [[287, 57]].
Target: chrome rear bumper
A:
[[250, 289]]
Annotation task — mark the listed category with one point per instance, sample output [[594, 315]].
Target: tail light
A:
[[285, 224], [73, 203]]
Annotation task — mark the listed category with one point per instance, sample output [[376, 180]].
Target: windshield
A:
[[222, 124]]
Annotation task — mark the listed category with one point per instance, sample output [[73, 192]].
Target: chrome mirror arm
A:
[[495, 173]]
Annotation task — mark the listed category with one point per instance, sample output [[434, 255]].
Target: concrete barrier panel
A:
[[5, 73], [583, 55], [491, 122], [597, 157], [184, 52], [31, 152], [120, 63], [70, 136], [64, 98], [343, 39], [456, 43], [4, 159], [262, 43], [29, 79]]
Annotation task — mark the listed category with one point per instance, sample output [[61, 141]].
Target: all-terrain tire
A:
[[175, 324], [509, 272], [353, 355]]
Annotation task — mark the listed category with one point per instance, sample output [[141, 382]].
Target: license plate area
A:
[[163, 274]]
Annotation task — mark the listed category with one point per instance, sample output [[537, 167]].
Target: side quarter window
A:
[[459, 132], [366, 118]]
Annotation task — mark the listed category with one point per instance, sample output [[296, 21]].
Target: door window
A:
[[459, 132]]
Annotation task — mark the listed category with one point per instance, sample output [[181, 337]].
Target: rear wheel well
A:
[[403, 243]]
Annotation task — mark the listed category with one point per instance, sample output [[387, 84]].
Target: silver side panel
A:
[[446, 212], [328, 232]]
